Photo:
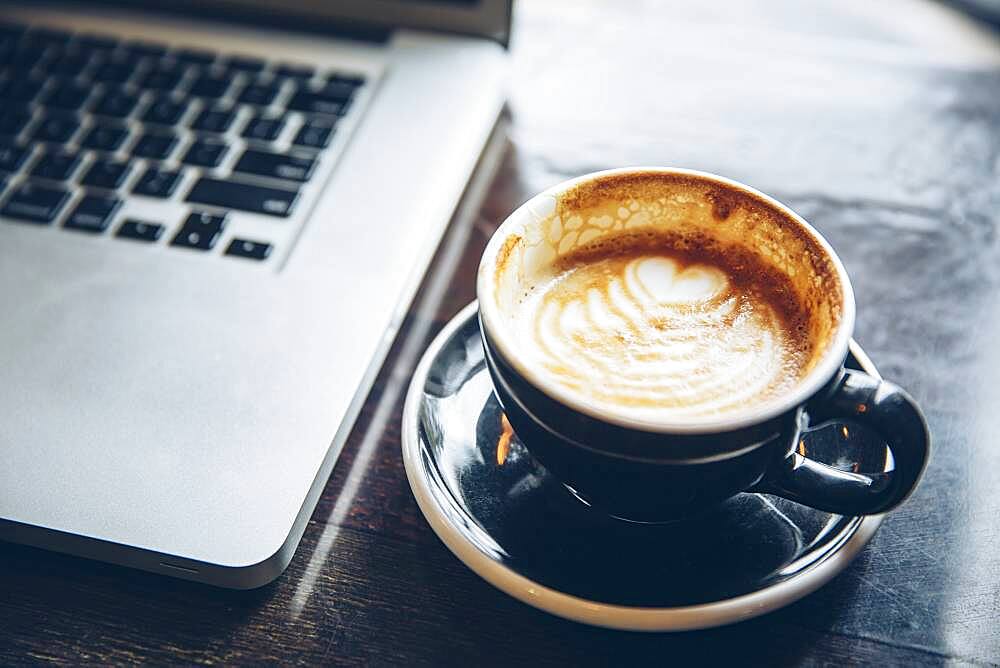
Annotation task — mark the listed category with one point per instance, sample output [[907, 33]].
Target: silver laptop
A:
[[209, 233]]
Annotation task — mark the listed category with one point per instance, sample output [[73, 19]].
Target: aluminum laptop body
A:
[[178, 373]]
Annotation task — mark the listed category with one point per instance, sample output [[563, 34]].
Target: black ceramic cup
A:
[[652, 468]]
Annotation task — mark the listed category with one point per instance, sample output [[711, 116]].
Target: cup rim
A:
[[502, 340]]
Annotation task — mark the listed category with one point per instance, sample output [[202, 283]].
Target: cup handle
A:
[[875, 403]]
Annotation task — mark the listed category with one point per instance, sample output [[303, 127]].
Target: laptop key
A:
[[68, 96], [290, 71], [263, 128], [109, 174], [165, 110], [329, 100], [105, 137], [210, 86], [56, 128], [155, 145], [157, 182], [200, 231], [49, 36], [336, 90], [12, 156], [70, 64], [140, 49], [243, 196], [98, 43], [314, 134], [27, 57], [276, 165], [244, 64], [206, 153], [259, 94], [164, 77], [14, 72], [93, 213], [116, 70], [194, 56], [354, 80], [21, 89], [56, 166], [252, 250], [213, 120], [34, 203], [13, 120], [139, 230], [117, 103]]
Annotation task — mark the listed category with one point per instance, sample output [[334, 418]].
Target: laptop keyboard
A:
[[89, 122]]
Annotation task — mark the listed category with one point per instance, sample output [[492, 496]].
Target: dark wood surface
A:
[[881, 125]]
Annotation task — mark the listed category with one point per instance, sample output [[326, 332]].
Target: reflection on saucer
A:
[[503, 440], [520, 528]]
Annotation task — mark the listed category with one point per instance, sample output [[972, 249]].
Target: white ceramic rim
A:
[[812, 383], [683, 618]]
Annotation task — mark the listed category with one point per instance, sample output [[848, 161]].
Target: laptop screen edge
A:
[[485, 18]]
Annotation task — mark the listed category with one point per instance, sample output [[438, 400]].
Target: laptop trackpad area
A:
[[146, 395]]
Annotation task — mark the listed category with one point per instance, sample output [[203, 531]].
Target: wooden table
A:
[[881, 125]]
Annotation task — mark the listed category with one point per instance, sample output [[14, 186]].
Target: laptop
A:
[[212, 221]]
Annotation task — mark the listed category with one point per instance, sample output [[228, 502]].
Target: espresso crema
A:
[[648, 330]]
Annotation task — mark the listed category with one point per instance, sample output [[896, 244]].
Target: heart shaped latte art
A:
[[663, 281], [646, 335]]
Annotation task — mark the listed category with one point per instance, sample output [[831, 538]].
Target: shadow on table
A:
[[105, 612]]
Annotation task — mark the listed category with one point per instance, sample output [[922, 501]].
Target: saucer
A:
[[511, 522]]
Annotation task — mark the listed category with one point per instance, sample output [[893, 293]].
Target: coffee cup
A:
[[663, 339]]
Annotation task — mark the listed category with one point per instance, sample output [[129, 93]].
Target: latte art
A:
[[655, 335]]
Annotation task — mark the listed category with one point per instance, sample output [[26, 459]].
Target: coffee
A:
[[665, 298], [658, 324]]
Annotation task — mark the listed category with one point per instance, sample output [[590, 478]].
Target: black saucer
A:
[[510, 521]]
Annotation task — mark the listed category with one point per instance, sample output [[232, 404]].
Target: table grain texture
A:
[[878, 122]]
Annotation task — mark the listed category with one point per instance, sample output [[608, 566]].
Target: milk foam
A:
[[647, 336]]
